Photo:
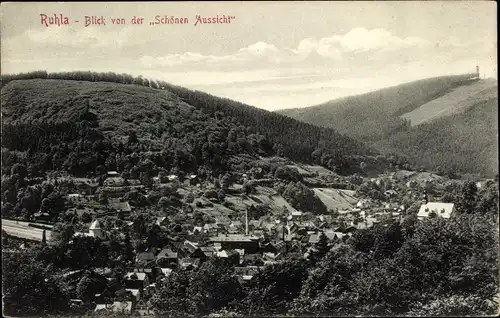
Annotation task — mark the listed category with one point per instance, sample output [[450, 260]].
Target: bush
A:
[[288, 174], [210, 194], [302, 198]]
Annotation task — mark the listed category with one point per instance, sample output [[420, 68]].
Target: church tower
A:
[[95, 230]]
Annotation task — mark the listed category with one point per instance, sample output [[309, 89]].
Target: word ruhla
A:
[[60, 19]]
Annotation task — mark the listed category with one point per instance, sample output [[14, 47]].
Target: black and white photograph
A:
[[249, 159]]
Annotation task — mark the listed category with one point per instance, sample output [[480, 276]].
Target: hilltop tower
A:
[[477, 72]]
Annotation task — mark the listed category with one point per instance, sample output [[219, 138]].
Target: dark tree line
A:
[[82, 76]]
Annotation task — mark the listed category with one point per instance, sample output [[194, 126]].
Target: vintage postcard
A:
[[249, 159]]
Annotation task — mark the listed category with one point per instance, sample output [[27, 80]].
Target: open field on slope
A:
[[336, 198], [456, 101]]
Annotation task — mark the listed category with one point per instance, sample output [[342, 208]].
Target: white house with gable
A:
[[444, 210]]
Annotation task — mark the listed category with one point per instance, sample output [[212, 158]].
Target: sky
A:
[[272, 55]]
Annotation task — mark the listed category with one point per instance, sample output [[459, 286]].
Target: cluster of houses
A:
[[248, 245]]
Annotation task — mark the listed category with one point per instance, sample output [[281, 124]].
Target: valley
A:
[[129, 196]]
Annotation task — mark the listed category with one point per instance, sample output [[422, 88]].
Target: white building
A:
[[95, 230], [444, 210]]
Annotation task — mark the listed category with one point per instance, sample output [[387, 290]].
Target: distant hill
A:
[[376, 115], [189, 129], [466, 142], [426, 121]]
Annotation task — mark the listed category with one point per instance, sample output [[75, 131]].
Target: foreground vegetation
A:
[[434, 267]]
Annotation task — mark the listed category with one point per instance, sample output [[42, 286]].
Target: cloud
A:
[[333, 48]]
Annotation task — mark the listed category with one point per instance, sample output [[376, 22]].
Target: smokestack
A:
[[246, 221]]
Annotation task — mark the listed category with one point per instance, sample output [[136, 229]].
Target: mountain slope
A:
[[190, 129], [292, 138], [81, 125], [434, 122], [465, 142], [375, 115]]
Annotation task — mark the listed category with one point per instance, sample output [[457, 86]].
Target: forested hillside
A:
[[452, 142], [89, 111], [80, 126], [462, 143], [375, 115]]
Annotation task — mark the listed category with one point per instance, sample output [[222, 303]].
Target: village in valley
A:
[[272, 159], [241, 217]]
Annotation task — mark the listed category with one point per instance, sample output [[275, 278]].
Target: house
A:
[[210, 228], [74, 198], [95, 230], [246, 273], [85, 185], [146, 256], [114, 182], [258, 233], [309, 225], [254, 225], [135, 280], [42, 216], [444, 210], [123, 307], [231, 255], [134, 182], [251, 259], [363, 204], [275, 247], [292, 228], [296, 215], [166, 271], [236, 224], [209, 251], [196, 230], [389, 207], [161, 220], [192, 250], [119, 206], [314, 238], [136, 293], [113, 174], [166, 257], [391, 193], [172, 177], [188, 249], [332, 235], [156, 180], [186, 263], [271, 257], [236, 241]]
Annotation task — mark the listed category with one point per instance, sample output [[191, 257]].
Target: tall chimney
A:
[[246, 221]]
